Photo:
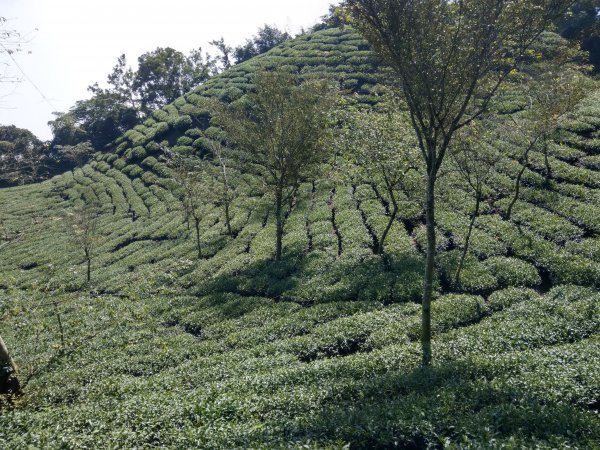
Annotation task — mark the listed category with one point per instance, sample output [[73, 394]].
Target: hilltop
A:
[[232, 350]]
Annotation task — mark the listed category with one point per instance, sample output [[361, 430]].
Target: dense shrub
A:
[[183, 123], [505, 298], [513, 272]]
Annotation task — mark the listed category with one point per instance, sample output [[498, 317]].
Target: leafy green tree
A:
[[283, 130], [333, 19], [70, 156], [23, 157], [121, 81], [104, 117], [449, 60], [165, 74], [162, 76], [582, 23], [266, 38], [21, 138], [66, 130], [225, 53]]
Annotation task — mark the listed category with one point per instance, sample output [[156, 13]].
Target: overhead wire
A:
[[9, 53]]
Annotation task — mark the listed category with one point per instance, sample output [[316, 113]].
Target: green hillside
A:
[[163, 349]]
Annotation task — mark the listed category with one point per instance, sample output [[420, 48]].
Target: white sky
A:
[[77, 42]]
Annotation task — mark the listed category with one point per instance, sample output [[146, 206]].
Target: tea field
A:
[[231, 350]]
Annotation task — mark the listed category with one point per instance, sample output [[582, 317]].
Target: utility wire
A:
[[9, 53]]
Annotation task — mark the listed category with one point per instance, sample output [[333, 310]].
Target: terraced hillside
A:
[[164, 349]]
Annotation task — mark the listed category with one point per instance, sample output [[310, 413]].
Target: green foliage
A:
[[266, 38], [165, 349], [183, 123], [165, 74], [505, 298], [475, 276], [513, 272]]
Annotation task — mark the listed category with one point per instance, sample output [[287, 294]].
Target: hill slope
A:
[[234, 351]]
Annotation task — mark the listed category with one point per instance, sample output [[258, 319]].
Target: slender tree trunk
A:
[[9, 383], [60, 327], [88, 261], [198, 246], [517, 192], [227, 217], [468, 238], [547, 164], [429, 269], [279, 230], [226, 199], [393, 214], [518, 184]]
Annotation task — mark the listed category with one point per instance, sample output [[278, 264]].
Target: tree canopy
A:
[[165, 74], [265, 39], [281, 127]]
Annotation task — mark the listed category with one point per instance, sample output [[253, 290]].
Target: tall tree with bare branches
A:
[[197, 193], [82, 228], [449, 58]]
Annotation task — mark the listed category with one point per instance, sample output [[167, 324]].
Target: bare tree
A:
[[82, 229], [551, 96], [11, 42], [446, 54], [197, 191], [225, 194], [283, 131], [475, 160]]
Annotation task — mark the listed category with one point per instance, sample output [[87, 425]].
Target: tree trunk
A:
[[9, 383], [197, 227], [466, 248], [547, 164], [279, 219], [389, 225], [60, 327], [518, 185], [517, 191], [226, 197], [88, 261], [227, 218], [429, 268]]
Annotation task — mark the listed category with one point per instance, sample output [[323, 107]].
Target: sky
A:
[[71, 44]]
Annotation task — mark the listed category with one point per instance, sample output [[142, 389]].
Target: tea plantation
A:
[[167, 350]]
